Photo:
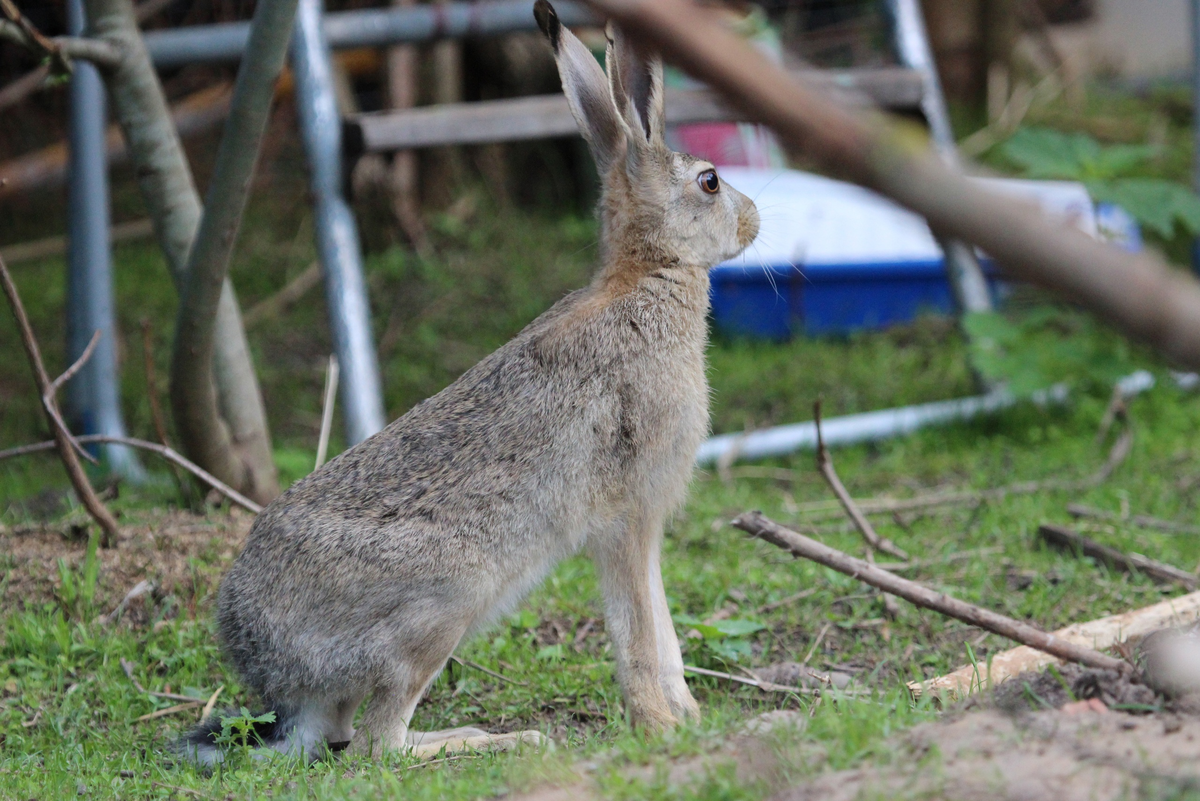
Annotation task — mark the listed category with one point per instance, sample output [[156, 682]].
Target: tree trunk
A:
[[198, 414], [165, 180]]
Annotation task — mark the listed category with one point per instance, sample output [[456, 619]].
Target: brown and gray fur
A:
[[359, 582]]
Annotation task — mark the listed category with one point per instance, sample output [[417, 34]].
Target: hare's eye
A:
[[709, 182]]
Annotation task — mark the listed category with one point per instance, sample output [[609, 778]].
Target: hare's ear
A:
[[636, 81], [585, 87]]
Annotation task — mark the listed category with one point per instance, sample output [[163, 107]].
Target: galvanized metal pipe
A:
[[912, 47], [374, 27], [94, 394], [854, 429], [337, 233]]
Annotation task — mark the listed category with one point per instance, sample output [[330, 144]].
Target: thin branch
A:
[[482, 669], [825, 467], [162, 450], [156, 413], [23, 87], [757, 525], [83, 488], [61, 49], [765, 686], [1142, 521], [286, 297], [1065, 539], [51, 404]]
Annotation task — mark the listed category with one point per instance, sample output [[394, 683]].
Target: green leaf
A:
[[550, 653], [1155, 203], [737, 628]]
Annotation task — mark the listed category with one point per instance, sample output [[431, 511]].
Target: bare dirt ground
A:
[[181, 553], [1074, 745]]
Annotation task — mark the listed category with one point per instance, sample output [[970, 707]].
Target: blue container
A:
[[780, 302]]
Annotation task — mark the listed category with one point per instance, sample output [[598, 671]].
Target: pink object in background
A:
[[728, 144]]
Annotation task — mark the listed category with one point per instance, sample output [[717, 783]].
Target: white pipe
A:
[[853, 429]]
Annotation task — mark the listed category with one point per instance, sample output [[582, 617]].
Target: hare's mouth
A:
[[747, 228]]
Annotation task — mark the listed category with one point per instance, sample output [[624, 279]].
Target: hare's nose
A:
[[747, 223]]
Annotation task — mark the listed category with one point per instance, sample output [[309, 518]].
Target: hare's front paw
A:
[[679, 698]]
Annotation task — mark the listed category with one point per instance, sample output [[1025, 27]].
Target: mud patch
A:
[[182, 554]]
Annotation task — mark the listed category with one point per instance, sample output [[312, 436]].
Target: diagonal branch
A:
[[50, 402], [162, 450], [62, 437], [61, 49], [825, 467], [757, 525]]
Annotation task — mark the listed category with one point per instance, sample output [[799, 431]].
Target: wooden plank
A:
[[546, 116], [1098, 634]]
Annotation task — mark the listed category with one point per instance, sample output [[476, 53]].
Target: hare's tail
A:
[[203, 744]]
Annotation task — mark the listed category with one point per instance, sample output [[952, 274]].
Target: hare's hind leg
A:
[[624, 558], [426, 744], [384, 725]]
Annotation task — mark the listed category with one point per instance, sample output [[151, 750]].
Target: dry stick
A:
[[762, 685], [1142, 521], [162, 450], [755, 524], [278, 303], [171, 710], [1066, 539], [51, 404], [825, 467], [482, 669], [156, 413], [79, 479]]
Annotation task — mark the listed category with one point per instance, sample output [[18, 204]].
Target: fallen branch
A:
[[765, 686], [1066, 539], [1102, 633], [162, 450], [331, 386], [756, 524], [127, 666], [825, 467], [1142, 521], [488, 671], [171, 710], [62, 437]]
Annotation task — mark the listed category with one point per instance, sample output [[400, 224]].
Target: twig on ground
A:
[[816, 643], [127, 666], [171, 710], [917, 564], [756, 524], [179, 789], [825, 467], [331, 385], [820, 511], [1142, 521], [766, 686], [139, 589], [212, 702], [79, 479], [162, 450], [482, 669], [1066, 539], [773, 605]]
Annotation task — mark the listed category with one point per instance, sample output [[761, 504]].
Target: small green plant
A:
[[77, 590], [1046, 346], [720, 640], [237, 730], [1114, 173]]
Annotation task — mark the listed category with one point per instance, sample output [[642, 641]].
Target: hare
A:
[[360, 581]]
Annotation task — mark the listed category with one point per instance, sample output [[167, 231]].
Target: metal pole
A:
[[1195, 7], [337, 234], [912, 46], [94, 394], [372, 27]]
